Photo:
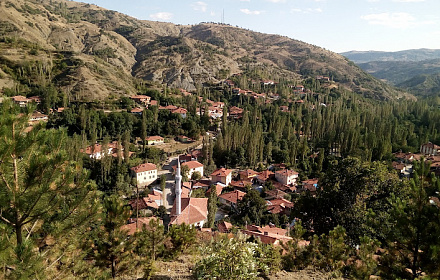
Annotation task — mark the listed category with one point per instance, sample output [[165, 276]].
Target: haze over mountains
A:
[[101, 53], [416, 71]]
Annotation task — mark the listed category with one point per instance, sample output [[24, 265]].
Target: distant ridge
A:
[[405, 55]]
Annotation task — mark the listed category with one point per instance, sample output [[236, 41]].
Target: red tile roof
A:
[[224, 227], [286, 172], [131, 227], [154, 138], [192, 164], [248, 173], [194, 210], [233, 196], [222, 172], [144, 167]]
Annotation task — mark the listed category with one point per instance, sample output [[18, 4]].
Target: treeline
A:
[[345, 126]]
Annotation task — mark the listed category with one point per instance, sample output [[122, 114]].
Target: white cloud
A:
[[249, 12], [199, 6], [408, 1], [373, 1], [161, 16], [394, 20], [277, 1], [306, 11], [245, 0]]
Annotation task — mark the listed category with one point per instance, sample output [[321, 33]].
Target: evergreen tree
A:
[[43, 192], [111, 249]]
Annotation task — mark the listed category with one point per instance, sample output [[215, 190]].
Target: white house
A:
[[193, 166], [222, 175], [145, 173], [430, 149], [286, 176]]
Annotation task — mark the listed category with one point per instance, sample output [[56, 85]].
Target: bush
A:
[[229, 259]]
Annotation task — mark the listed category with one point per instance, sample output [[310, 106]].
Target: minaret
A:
[[178, 189]]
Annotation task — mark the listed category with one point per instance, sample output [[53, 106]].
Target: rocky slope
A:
[[93, 53]]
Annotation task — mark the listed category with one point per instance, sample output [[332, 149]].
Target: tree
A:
[[414, 241], [196, 175], [110, 246], [252, 207], [212, 206], [185, 172], [181, 237], [148, 245], [351, 192], [228, 258], [44, 192]]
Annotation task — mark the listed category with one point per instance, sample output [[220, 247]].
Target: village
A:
[[178, 188]]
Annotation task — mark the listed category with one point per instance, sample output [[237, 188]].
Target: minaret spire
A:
[[178, 189]]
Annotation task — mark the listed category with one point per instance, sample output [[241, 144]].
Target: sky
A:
[[336, 25]]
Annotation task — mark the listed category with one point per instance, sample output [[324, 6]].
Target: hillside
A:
[[396, 72], [91, 53], [423, 85], [405, 55]]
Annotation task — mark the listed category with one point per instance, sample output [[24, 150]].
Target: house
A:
[[168, 107], [202, 184], [218, 189], [231, 198], [96, 151], [137, 111], [137, 224], [35, 99], [404, 169], [20, 100], [279, 206], [194, 212], [181, 111], [193, 166], [241, 185], [184, 139], [430, 149], [224, 227], [145, 173], [141, 99], [310, 185], [222, 175], [247, 174], [151, 202], [154, 140], [284, 109], [264, 176], [272, 194], [37, 116], [286, 176], [268, 234], [235, 112]]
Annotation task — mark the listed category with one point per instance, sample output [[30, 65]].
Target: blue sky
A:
[[337, 25]]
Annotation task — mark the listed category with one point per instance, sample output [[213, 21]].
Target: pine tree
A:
[[111, 249], [43, 192]]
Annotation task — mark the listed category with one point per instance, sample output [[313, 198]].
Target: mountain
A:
[[423, 85], [415, 71], [406, 55], [92, 53], [396, 72]]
